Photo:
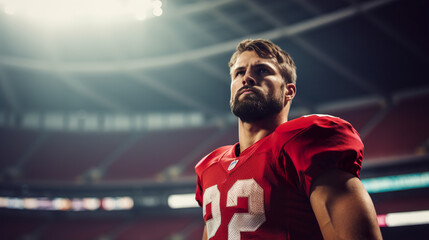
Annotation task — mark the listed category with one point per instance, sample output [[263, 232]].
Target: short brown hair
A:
[[267, 49]]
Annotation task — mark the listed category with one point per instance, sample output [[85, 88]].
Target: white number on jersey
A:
[[240, 222], [212, 195]]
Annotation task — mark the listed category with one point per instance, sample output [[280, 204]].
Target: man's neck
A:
[[250, 133]]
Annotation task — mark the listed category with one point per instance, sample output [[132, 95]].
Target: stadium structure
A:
[[106, 106]]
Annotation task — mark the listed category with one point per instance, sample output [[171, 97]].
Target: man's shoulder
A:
[[309, 124], [308, 121], [211, 158]]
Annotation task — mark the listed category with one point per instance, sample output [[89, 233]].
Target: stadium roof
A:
[[344, 50]]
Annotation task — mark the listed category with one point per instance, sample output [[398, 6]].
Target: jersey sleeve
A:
[[199, 192], [199, 168], [326, 144]]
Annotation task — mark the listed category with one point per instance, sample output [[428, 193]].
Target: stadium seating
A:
[[402, 131], [14, 228], [64, 156], [358, 115], [228, 137], [67, 156], [156, 228], [154, 152], [14, 143], [82, 229]]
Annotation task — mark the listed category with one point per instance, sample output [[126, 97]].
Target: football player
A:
[[296, 179]]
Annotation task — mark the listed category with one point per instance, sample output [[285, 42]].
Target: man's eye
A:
[[239, 73], [262, 70]]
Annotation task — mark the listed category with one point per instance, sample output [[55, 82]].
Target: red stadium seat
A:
[[64, 156], [402, 131], [155, 152], [155, 228]]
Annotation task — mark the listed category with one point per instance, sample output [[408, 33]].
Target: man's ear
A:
[[290, 91]]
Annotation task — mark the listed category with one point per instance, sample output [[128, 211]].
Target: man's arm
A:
[[343, 208], [205, 233]]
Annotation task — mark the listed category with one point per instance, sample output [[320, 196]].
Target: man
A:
[[284, 179]]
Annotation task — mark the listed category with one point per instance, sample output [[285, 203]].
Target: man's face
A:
[[257, 87]]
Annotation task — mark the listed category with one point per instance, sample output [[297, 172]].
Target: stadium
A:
[[107, 106]]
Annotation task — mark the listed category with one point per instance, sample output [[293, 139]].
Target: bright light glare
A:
[[66, 204], [91, 203], [140, 17], [396, 183], [157, 4], [9, 10], [118, 203], [157, 12], [182, 201], [55, 11], [407, 218]]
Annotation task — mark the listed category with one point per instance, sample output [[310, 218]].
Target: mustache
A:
[[246, 88]]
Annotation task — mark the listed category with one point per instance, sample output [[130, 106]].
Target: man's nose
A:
[[248, 79]]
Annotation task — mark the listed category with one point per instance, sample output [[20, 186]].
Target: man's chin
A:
[[253, 111], [248, 114]]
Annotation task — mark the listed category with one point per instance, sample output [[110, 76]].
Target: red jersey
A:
[[264, 192]]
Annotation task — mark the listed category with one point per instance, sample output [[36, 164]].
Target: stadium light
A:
[[90, 122], [176, 201], [157, 12], [403, 219], [60, 11], [396, 183], [68, 204]]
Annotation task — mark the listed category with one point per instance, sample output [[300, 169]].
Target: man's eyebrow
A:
[[239, 68], [264, 65], [257, 65]]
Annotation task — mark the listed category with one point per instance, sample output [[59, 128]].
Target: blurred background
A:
[[107, 105]]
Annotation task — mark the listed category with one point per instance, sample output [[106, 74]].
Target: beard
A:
[[255, 106]]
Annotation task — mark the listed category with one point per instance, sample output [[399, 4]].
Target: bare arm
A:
[[205, 233], [343, 208]]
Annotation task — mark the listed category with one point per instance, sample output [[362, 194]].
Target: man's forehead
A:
[[251, 58]]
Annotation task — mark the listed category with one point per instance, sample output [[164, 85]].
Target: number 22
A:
[[240, 222]]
